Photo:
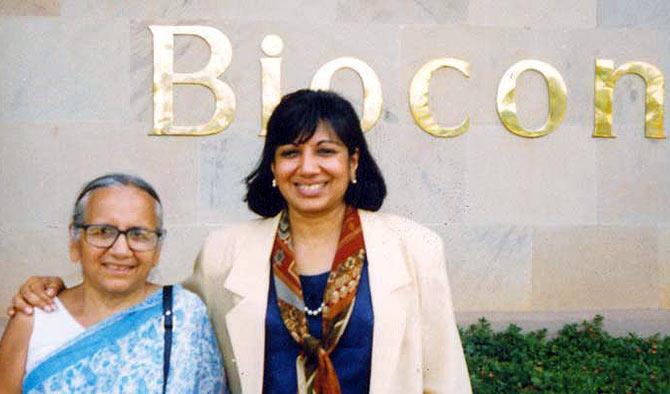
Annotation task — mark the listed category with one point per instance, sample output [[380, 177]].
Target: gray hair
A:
[[113, 180]]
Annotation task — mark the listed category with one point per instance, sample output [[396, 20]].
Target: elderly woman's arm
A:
[[13, 352]]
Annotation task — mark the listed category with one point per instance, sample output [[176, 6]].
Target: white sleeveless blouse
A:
[[50, 332]]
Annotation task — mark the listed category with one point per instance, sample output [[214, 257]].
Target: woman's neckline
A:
[[315, 276], [59, 304], [151, 293]]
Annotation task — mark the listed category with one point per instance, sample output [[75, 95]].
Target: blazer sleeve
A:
[[444, 367], [195, 282], [210, 264]]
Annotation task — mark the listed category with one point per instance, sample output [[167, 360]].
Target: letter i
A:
[[272, 45]]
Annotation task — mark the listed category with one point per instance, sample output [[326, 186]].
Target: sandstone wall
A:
[[563, 225]]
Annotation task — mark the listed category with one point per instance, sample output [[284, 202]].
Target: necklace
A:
[[314, 312]]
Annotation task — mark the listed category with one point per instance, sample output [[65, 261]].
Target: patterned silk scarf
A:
[[316, 373]]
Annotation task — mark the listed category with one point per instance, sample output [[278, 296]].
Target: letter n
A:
[[606, 78]]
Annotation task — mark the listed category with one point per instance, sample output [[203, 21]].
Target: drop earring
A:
[[274, 182]]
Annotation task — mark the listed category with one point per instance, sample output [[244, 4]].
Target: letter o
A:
[[372, 89], [506, 106]]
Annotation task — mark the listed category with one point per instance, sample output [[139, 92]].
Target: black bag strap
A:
[[167, 338]]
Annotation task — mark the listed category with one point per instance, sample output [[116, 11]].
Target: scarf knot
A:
[[311, 346]]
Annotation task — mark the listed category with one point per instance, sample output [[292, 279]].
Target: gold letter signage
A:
[[272, 45], [372, 89], [418, 97], [606, 78], [165, 78], [506, 105]]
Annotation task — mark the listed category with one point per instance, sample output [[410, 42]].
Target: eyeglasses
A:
[[139, 239]]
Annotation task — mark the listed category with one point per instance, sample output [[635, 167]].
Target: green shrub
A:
[[583, 358]]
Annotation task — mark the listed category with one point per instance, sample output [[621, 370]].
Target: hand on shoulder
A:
[[37, 291]]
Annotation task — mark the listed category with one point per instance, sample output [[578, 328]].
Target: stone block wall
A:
[[564, 225]]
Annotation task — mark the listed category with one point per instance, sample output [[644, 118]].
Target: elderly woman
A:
[[324, 295], [109, 333]]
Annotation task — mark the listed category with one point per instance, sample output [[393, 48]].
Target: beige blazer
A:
[[415, 343]]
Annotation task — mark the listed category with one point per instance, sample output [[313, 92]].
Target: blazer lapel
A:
[[249, 279], [388, 274]]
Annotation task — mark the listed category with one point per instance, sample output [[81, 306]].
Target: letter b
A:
[[165, 78]]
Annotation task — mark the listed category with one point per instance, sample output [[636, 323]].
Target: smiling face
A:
[[118, 269], [313, 176]]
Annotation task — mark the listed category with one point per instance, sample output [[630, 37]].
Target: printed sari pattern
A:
[[124, 353]]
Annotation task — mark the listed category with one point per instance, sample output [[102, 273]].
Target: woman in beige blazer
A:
[[315, 164], [325, 295], [415, 342]]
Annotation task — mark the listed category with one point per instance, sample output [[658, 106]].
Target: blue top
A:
[[352, 355]]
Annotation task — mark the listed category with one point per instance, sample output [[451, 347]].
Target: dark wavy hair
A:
[[295, 120]]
